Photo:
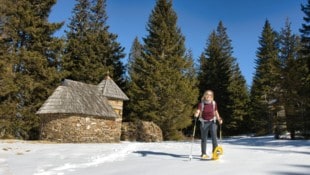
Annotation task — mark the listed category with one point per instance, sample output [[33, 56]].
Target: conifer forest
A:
[[162, 79]]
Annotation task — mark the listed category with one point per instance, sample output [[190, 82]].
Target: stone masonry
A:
[[77, 129]]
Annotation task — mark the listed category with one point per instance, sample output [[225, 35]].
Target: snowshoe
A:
[[218, 151]]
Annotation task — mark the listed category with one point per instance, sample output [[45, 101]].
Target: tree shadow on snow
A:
[[265, 141], [154, 153], [306, 169], [268, 143], [284, 151]]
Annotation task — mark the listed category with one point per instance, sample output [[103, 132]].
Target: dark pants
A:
[[204, 129]]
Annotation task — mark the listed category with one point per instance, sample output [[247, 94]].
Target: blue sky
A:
[[244, 20]]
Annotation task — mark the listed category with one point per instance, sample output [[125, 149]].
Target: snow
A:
[[242, 155]]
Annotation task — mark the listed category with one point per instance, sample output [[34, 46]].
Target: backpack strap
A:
[[214, 117], [200, 114], [202, 108]]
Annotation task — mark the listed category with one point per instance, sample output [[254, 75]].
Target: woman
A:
[[208, 114]]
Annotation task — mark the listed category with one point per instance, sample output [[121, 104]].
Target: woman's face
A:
[[209, 96]]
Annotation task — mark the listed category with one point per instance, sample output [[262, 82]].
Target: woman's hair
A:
[[207, 92]]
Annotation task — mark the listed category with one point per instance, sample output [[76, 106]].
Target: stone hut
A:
[[114, 94], [78, 112]]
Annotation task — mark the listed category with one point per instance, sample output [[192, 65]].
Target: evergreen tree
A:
[[238, 119], [163, 88], [265, 84], [91, 50], [135, 52], [305, 34], [207, 75], [303, 69], [220, 73], [288, 97], [7, 87], [217, 69], [29, 61], [224, 74]]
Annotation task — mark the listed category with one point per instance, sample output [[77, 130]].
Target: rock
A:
[[142, 131]]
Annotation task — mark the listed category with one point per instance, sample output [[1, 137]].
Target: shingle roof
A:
[[110, 89], [77, 98]]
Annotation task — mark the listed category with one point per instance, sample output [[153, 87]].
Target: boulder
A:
[[142, 131]]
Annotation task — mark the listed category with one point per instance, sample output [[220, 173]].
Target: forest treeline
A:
[[162, 79]]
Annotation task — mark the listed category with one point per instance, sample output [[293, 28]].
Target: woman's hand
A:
[[197, 113], [220, 120]]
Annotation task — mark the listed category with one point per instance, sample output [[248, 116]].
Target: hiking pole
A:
[[193, 137], [220, 133]]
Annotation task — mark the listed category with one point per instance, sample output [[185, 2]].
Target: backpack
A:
[[202, 106]]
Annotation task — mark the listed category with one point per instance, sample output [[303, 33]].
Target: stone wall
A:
[[117, 105], [141, 131], [80, 129]]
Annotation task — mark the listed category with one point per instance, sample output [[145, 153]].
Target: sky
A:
[[244, 20], [242, 156]]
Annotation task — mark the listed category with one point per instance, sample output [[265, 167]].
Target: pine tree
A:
[[162, 88], [224, 73], [220, 73], [31, 57], [135, 52], [207, 75], [303, 69], [218, 67], [91, 50], [8, 88], [288, 97], [305, 36], [265, 84], [237, 121]]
